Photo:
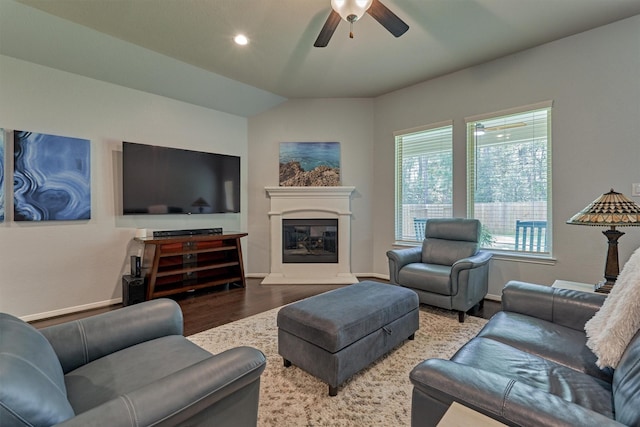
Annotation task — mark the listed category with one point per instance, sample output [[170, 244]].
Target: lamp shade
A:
[[351, 10], [612, 209]]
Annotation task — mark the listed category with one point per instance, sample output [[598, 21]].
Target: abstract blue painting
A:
[[1, 175], [52, 177]]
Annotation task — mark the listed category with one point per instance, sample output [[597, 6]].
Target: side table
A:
[[575, 286]]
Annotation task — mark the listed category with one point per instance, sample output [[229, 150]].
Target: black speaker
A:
[[194, 232], [134, 290], [136, 268]]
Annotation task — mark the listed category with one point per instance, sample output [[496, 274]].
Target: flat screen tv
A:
[[161, 180]]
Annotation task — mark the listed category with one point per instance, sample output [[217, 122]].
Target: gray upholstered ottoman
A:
[[336, 334]]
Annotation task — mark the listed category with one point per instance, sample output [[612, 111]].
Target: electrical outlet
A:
[[635, 190]]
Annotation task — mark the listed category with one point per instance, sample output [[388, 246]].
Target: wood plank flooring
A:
[[207, 309]]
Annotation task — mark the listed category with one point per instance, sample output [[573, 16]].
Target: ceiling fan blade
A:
[[327, 30], [387, 19]]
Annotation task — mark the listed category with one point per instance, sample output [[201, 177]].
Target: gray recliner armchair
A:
[[127, 367], [449, 270]]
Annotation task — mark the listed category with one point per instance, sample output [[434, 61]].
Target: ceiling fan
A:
[[352, 10]]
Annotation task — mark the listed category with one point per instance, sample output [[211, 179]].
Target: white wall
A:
[[592, 79], [347, 121], [54, 267]]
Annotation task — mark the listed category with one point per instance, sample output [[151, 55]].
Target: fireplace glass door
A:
[[310, 240]]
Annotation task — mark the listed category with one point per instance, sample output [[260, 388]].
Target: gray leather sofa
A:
[[529, 366], [127, 367]]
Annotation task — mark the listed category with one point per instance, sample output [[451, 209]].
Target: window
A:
[[424, 178], [509, 178]]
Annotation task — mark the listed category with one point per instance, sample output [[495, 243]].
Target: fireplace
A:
[[310, 235], [313, 240]]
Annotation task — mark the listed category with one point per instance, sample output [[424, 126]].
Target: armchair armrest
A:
[[81, 341], [185, 394], [475, 261], [472, 272], [562, 306], [499, 397], [398, 258]]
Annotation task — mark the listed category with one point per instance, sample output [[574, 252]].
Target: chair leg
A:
[[461, 316], [481, 304]]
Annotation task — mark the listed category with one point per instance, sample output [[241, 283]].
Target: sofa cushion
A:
[[32, 391], [462, 229], [549, 340], [426, 277], [448, 240], [446, 252], [126, 370], [535, 371]]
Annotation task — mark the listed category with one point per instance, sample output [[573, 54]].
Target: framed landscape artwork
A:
[[52, 179], [309, 164]]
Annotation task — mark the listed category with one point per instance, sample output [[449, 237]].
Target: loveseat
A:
[[530, 366], [127, 367]]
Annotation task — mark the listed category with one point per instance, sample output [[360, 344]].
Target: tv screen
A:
[[161, 180]]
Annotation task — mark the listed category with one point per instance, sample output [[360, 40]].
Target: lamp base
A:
[[604, 287]]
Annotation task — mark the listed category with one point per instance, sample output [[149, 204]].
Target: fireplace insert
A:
[[310, 240]]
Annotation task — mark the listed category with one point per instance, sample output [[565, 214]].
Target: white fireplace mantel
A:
[[310, 202]]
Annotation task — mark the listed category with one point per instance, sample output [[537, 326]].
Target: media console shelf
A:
[[179, 264]]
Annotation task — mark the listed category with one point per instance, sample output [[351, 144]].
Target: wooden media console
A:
[[179, 264]]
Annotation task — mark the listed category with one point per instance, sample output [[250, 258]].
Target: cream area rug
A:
[[380, 395]]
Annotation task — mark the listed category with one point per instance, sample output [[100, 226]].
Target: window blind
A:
[[424, 178], [509, 178]]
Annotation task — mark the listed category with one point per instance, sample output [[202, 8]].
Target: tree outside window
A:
[[424, 178], [509, 179]]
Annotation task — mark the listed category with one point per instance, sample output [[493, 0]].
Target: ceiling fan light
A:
[[351, 10], [241, 39]]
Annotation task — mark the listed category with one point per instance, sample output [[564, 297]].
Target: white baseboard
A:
[[373, 276], [69, 310], [492, 297]]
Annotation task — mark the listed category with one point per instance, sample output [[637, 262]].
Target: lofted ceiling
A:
[[444, 36]]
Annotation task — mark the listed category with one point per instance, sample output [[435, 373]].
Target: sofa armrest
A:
[[185, 394], [81, 341], [562, 306], [398, 258], [506, 400]]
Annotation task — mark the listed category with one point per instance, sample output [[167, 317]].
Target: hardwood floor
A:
[[210, 308]]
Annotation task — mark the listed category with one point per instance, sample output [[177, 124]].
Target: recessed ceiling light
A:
[[241, 39]]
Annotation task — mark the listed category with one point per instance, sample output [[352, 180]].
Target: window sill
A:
[[532, 258], [402, 244]]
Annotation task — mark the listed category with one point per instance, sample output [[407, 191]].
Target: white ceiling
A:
[[444, 36]]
